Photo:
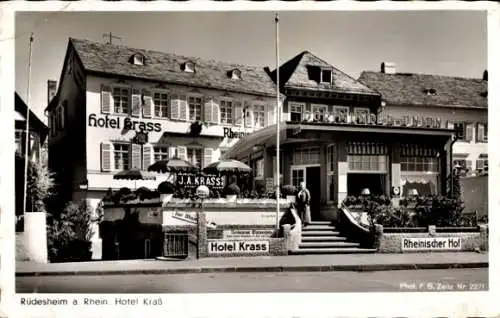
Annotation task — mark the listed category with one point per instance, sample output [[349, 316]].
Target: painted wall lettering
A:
[[229, 133], [126, 124]]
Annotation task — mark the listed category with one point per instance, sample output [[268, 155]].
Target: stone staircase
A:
[[321, 237]]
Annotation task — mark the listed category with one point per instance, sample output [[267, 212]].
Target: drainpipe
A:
[[451, 162]]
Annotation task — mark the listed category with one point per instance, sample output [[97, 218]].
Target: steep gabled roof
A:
[[295, 73], [165, 67], [412, 89], [35, 123]]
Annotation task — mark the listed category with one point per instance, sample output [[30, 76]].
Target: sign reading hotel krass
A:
[[229, 247], [125, 123]]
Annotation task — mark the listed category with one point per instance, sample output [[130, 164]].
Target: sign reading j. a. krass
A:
[[229, 247], [431, 243]]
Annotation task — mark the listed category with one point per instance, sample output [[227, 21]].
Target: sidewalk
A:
[[311, 263]]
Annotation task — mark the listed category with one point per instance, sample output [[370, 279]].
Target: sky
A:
[[452, 43]]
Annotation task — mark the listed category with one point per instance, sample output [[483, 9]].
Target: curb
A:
[[242, 269]]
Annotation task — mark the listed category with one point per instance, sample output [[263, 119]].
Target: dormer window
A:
[[430, 91], [137, 59], [326, 76], [235, 74], [188, 67]]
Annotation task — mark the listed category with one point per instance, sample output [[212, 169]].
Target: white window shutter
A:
[[136, 102], [182, 152], [147, 156], [147, 108], [207, 156], [63, 115], [468, 132], [271, 120], [450, 125], [183, 107], [468, 164], [215, 111], [106, 99], [172, 152], [106, 156], [135, 155], [480, 132], [248, 114], [174, 107], [479, 164], [238, 113], [207, 109]]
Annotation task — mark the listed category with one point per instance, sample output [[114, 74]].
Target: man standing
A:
[[304, 200]]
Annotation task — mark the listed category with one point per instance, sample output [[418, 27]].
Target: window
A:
[[121, 100], [460, 129], [259, 169], [297, 177], [463, 163], [419, 164], [259, 114], [189, 67], [138, 59], [236, 74], [194, 156], [319, 112], [364, 163], [226, 112], [362, 115], [326, 76], [121, 154], [306, 156], [19, 141], [161, 104], [482, 132], [194, 104], [296, 111], [161, 153], [481, 163]]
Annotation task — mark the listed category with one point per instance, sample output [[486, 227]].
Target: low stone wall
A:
[[439, 240]]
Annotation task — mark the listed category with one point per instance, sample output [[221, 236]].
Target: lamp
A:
[[413, 192], [365, 192], [84, 185]]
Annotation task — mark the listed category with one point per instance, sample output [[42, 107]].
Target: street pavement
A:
[[238, 282], [304, 263]]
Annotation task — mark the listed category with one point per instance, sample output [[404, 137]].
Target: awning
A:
[[265, 136]]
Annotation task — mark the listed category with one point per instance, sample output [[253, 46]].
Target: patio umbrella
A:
[[173, 165], [134, 174], [228, 165]]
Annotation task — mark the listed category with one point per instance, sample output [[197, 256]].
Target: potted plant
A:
[[166, 190], [231, 192], [289, 191]]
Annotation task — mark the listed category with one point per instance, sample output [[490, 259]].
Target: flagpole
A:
[[26, 134], [278, 118]]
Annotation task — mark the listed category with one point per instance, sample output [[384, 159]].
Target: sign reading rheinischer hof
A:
[[431, 243], [230, 247]]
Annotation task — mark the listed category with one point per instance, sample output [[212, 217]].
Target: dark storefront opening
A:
[[313, 184], [356, 182]]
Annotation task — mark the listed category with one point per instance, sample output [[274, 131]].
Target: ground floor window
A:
[[364, 163], [194, 156], [357, 182], [161, 153], [425, 184], [259, 169], [297, 177]]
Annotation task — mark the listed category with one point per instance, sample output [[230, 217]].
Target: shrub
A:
[[289, 189], [40, 183], [439, 211], [69, 236], [166, 188], [232, 189]]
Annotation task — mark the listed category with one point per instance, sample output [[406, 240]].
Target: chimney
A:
[[51, 90], [485, 75], [388, 68]]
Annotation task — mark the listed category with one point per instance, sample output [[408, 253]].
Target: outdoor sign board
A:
[[431, 243], [238, 247], [247, 233], [194, 180], [122, 123]]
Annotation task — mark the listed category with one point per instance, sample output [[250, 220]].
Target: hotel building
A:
[[118, 108]]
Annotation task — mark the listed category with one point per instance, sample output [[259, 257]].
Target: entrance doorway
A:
[[356, 182], [312, 177]]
